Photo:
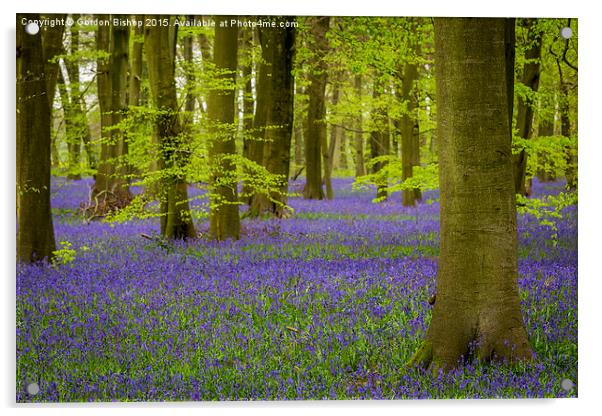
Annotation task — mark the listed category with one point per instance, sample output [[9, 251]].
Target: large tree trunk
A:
[[278, 49], [524, 118], [176, 221], [410, 144], [358, 141], [224, 216], [35, 233], [315, 129], [477, 298]]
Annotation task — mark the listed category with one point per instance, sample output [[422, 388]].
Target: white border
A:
[[589, 174]]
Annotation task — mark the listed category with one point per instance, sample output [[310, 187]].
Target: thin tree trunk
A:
[[360, 167], [315, 129], [545, 129], [298, 130], [477, 300], [246, 69], [71, 131], [35, 233], [176, 221], [78, 110], [328, 150], [224, 215], [524, 118]]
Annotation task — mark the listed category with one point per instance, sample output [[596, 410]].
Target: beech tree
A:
[[35, 233], [224, 216], [159, 46], [477, 290], [111, 187], [524, 118], [410, 143], [277, 51], [314, 132]]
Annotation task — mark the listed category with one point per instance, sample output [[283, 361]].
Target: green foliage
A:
[[423, 177], [548, 210], [65, 255]]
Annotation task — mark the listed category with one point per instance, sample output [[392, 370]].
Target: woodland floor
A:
[[328, 304]]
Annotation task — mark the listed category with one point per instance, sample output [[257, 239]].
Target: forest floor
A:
[[328, 304]]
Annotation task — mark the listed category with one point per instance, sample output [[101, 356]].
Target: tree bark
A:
[[410, 144], [477, 299], [224, 215], [328, 149], [278, 52], [524, 118], [35, 233], [360, 168], [103, 78], [176, 221], [52, 44], [246, 69], [255, 142], [315, 129], [71, 129]]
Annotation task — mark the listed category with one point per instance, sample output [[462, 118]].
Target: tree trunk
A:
[[524, 118], [255, 143], [298, 122], [545, 129], [119, 106], [328, 149], [71, 131], [379, 142], [410, 144], [103, 78], [176, 221], [224, 215], [52, 44], [360, 168], [78, 110], [35, 233], [246, 69], [315, 129], [477, 291], [135, 78], [277, 49]]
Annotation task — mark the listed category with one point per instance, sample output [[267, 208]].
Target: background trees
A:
[[345, 96]]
